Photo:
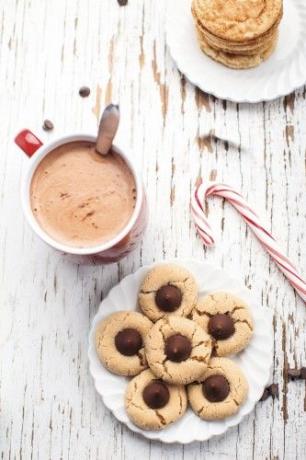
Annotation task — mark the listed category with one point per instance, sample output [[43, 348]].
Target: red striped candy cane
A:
[[202, 192]]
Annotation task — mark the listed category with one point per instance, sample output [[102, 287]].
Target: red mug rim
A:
[[34, 161]]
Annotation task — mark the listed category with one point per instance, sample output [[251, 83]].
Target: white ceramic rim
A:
[[34, 161]]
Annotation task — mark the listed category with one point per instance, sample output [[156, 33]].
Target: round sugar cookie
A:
[[237, 20]]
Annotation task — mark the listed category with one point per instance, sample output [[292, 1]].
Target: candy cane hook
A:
[[202, 192]]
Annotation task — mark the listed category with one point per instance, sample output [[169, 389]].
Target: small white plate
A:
[[255, 360], [281, 74]]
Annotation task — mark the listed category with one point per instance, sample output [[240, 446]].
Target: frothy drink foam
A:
[[81, 198]]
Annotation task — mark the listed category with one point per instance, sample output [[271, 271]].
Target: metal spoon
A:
[[107, 129]]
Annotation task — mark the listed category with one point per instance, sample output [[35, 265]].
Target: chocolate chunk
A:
[[303, 373], [273, 389], [84, 91], [216, 388], [221, 326], [168, 298], [294, 373], [122, 2], [48, 125], [128, 342], [156, 394], [178, 348], [265, 395], [297, 373]]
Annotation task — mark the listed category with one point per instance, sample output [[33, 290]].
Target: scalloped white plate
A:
[[281, 74], [255, 360]]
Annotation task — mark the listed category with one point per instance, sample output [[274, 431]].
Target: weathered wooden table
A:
[[48, 404]]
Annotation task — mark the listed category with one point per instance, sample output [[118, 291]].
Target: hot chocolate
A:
[[81, 198]]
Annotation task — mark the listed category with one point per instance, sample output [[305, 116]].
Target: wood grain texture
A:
[[48, 406]]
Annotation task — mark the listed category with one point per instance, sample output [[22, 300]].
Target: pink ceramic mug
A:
[[108, 252]]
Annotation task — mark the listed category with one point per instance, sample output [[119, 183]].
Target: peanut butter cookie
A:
[[152, 404], [119, 342], [177, 350], [227, 319], [222, 391], [167, 290]]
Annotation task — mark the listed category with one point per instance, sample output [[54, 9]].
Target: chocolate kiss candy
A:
[[168, 298], [216, 388], [178, 348], [128, 342], [156, 394], [221, 326]]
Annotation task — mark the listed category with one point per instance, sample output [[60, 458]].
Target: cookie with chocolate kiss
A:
[[167, 289], [128, 341], [221, 326], [152, 404], [120, 342], [177, 350], [168, 298], [227, 319], [156, 394], [221, 392]]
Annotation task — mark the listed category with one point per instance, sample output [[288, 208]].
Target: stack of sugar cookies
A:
[[237, 33], [176, 350]]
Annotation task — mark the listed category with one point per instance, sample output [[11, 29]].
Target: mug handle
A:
[[28, 142]]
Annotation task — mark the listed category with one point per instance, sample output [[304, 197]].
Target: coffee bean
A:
[[122, 2], [294, 373], [48, 125], [84, 91]]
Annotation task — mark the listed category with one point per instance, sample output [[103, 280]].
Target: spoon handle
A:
[[107, 129]]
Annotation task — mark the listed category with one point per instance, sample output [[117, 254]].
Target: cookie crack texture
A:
[[178, 282], [166, 369], [140, 408], [180, 403], [202, 313], [142, 291], [239, 307], [141, 357], [161, 418], [193, 334], [244, 321], [121, 320], [201, 410], [214, 368], [160, 330], [215, 345], [170, 283], [200, 359]]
